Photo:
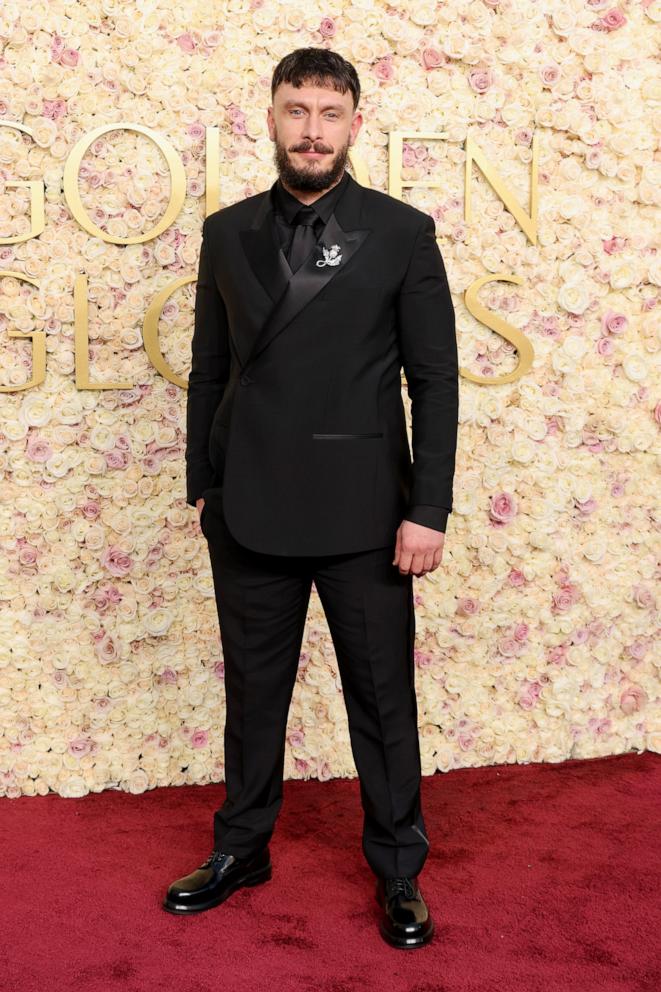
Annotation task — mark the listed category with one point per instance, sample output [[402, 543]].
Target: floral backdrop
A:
[[535, 636]]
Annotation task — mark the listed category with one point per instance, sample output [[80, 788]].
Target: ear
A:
[[355, 126]]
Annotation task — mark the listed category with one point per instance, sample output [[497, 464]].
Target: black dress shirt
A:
[[286, 206]]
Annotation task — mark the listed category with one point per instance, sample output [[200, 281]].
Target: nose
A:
[[313, 130]]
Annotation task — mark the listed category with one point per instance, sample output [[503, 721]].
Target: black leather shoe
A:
[[406, 921], [215, 880]]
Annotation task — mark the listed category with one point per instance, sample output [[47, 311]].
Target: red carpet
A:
[[541, 878]]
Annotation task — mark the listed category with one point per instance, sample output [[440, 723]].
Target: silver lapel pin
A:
[[332, 256]]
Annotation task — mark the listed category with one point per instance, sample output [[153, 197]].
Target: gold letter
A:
[[177, 183], [81, 340], [38, 344], [150, 330], [36, 187], [496, 323], [528, 223]]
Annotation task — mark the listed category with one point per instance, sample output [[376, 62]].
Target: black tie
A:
[[305, 237]]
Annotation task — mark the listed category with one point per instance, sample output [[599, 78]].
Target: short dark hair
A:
[[317, 66]]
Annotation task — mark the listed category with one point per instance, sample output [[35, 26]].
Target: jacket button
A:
[[245, 380]]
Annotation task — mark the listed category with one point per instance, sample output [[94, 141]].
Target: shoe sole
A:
[[406, 944], [254, 878]]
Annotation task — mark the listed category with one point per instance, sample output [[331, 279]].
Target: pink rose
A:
[[614, 244], [409, 157], [118, 562], [558, 655], [324, 773], [27, 555], [168, 677], [116, 459], [508, 647], [422, 659], [105, 649], [480, 80], [186, 42], [383, 69], [467, 606], [54, 108], [614, 323], [549, 74], [530, 695], [69, 57], [637, 649], [565, 597], [38, 450], [632, 699], [516, 577], [643, 597], [432, 58], [605, 346], [657, 412], [502, 508], [613, 19], [521, 632], [296, 738], [81, 746], [199, 738], [327, 27]]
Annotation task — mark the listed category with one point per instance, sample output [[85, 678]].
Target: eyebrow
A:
[[302, 103]]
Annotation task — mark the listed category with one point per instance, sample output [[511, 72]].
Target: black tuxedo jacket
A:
[[295, 418]]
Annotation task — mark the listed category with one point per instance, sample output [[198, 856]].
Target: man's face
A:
[[313, 128]]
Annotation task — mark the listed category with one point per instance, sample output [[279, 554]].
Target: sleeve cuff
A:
[[435, 517]]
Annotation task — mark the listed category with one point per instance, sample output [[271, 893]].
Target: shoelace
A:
[[403, 886], [214, 856]]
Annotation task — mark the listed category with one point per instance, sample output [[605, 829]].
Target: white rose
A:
[[623, 275], [635, 367], [574, 297]]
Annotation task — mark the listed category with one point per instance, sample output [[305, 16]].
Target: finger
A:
[[398, 546], [405, 562]]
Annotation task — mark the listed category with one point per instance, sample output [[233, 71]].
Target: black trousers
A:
[[262, 603]]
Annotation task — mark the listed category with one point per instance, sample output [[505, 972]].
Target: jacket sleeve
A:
[[427, 335], [435, 517], [210, 364]]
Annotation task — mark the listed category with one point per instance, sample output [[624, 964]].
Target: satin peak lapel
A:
[[291, 292]]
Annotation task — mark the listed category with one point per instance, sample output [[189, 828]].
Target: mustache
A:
[[310, 146]]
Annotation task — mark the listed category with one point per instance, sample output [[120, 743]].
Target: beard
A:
[[309, 178]]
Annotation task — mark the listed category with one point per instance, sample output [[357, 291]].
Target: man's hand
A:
[[199, 504], [418, 549]]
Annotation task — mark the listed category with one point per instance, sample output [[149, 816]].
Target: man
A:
[[311, 297]]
